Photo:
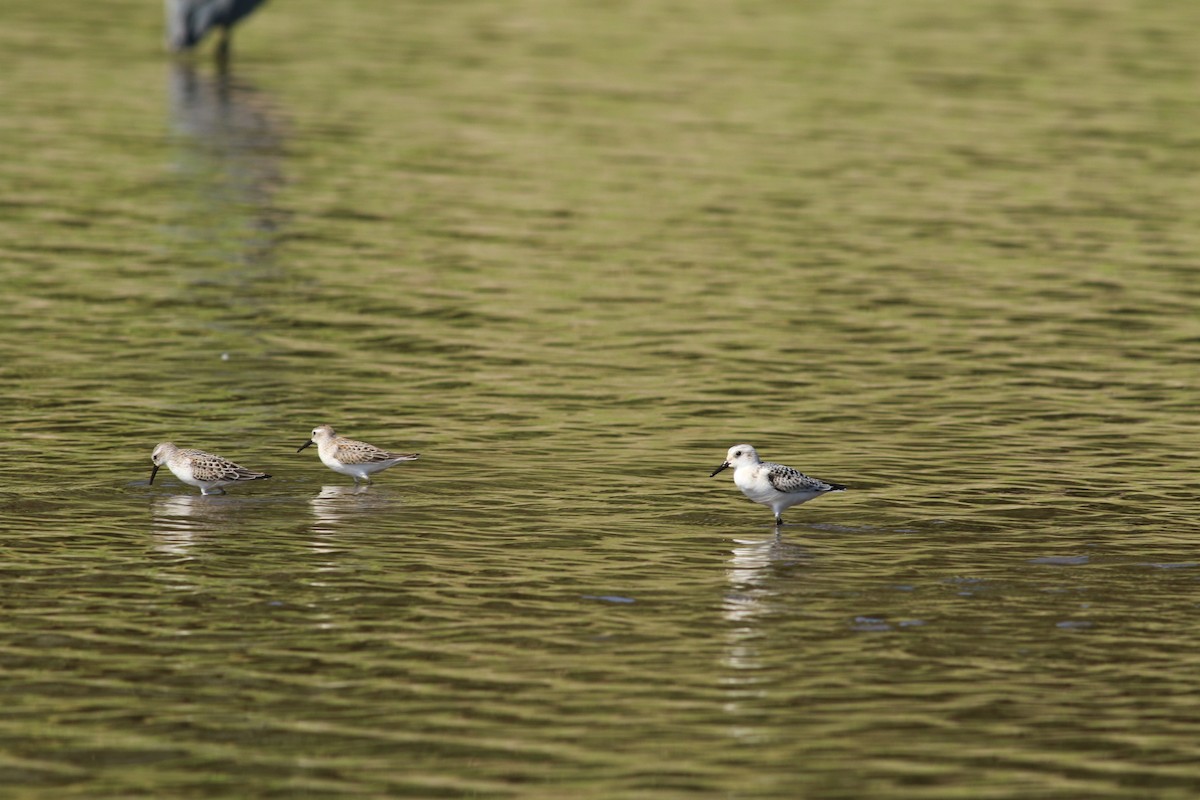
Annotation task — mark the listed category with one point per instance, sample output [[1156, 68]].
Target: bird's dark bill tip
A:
[[306, 444], [724, 465], [153, 472]]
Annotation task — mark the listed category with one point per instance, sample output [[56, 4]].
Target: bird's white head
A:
[[320, 434], [737, 456], [161, 453]]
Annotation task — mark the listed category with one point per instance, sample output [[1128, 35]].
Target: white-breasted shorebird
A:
[[197, 468], [350, 457], [772, 484]]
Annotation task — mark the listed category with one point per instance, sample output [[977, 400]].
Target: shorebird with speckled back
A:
[[350, 457], [201, 469], [772, 484]]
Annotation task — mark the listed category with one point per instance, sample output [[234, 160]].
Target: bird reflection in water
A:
[[751, 573], [334, 506], [226, 153], [747, 608], [180, 521]]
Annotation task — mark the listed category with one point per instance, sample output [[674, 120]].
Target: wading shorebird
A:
[[772, 484], [189, 21], [198, 468], [350, 457]]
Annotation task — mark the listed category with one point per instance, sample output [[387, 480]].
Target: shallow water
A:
[[570, 253]]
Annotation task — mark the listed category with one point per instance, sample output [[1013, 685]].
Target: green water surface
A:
[[943, 252]]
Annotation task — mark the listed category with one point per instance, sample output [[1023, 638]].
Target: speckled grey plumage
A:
[[787, 479]]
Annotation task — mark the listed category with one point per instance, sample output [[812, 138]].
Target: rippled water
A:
[[570, 252]]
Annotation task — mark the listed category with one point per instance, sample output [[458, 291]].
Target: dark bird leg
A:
[[222, 52]]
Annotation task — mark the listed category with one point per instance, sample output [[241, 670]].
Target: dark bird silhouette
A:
[[189, 21]]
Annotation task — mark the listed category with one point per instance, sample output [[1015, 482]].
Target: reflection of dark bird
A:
[[227, 142], [189, 21]]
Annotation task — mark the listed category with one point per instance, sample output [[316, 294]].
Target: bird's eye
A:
[[738, 454]]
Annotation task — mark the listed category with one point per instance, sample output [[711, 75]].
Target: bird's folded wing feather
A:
[[211, 467], [362, 453], [236, 472], [786, 479]]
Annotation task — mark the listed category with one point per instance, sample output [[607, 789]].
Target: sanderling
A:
[[198, 468], [350, 457], [772, 484]]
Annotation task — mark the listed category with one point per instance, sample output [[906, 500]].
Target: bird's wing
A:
[[786, 479], [351, 452], [243, 474], [211, 468]]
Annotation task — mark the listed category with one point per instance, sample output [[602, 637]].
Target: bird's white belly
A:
[[755, 486], [183, 471], [345, 469]]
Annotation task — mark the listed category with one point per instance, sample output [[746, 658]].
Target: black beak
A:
[[153, 472], [306, 444], [724, 465]]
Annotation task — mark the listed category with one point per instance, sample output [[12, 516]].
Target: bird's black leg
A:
[[778, 520], [222, 53]]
